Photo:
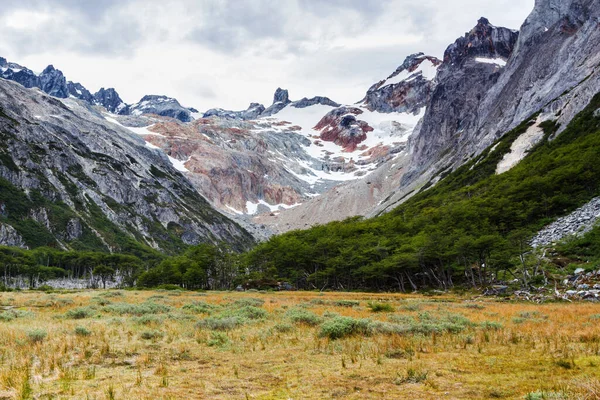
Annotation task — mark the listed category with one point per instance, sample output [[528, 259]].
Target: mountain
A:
[[73, 180], [408, 89], [508, 142], [490, 80], [160, 105], [281, 100], [53, 82]]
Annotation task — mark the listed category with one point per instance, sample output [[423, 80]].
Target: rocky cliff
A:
[[71, 179], [408, 89]]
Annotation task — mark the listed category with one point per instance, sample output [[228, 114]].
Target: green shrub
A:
[[82, 331], [151, 335], [380, 307], [340, 327], [80, 313], [218, 339], [37, 335], [150, 319], [300, 316], [137, 309], [220, 324], [283, 328], [200, 307], [246, 312], [346, 303], [491, 325], [248, 301]]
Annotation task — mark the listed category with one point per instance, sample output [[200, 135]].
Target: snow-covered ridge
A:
[[427, 69]]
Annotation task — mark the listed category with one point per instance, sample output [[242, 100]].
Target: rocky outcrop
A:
[[408, 89], [53, 82], [161, 105], [281, 100], [252, 112], [110, 99], [341, 127], [77, 90], [472, 65], [577, 223], [305, 102], [89, 183], [10, 237]]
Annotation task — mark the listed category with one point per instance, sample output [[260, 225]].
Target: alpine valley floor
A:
[[294, 345]]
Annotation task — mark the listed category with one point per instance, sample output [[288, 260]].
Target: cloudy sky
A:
[[227, 53]]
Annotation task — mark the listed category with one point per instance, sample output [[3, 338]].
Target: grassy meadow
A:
[[294, 345]]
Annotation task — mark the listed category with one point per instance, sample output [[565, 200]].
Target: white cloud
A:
[[228, 53]]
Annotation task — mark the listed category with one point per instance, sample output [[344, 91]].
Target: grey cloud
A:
[[230, 25], [92, 27]]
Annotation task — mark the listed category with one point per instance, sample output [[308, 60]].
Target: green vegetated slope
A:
[[470, 228]]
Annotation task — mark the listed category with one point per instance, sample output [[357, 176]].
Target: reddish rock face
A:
[[228, 164], [341, 127]]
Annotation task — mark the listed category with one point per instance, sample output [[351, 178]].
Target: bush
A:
[[218, 339], [150, 319], [80, 313], [82, 331], [283, 328], [300, 316], [248, 301], [37, 335], [247, 312], [346, 303], [340, 327], [200, 307], [220, 324], [151, 335], [380, 307], [137, 309]]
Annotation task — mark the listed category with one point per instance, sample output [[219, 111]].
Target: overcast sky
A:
[[228, 53]]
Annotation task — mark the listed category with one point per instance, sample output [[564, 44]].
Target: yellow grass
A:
[[552, 349]]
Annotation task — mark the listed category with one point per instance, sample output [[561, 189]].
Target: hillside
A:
[[71, 180], [472, 227]]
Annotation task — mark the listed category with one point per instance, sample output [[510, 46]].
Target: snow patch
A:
[[427, 69], [252, 208], [497, 61], [521, 147]]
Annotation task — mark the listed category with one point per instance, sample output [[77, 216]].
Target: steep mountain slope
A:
[[473, 227], [71, 179]]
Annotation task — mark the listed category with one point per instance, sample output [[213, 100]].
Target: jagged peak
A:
[[281, 96]]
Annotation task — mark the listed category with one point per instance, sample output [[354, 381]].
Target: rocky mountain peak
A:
[[53, 82], [110, 99], [407, 89], [281, 96], [484, 40], [49, 69]]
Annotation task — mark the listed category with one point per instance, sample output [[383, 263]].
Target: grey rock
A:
[[79, 91], [74, 229], [88, 167], [409, 95], [462, 81], [53, 82], [303, 103], [160, 105], [577, 223], [281, 96], [110, 99], [10, 237], [597, 113], [252, 112]]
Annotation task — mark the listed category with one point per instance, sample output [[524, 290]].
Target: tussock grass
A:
[[148, 345]]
